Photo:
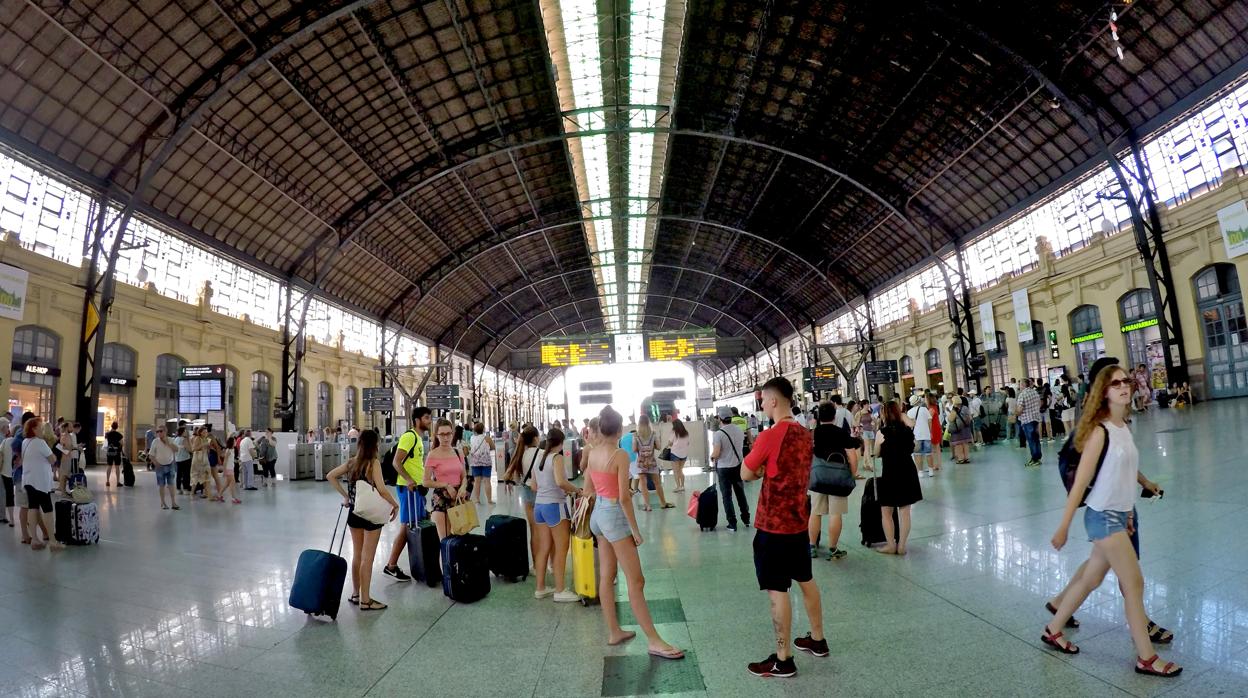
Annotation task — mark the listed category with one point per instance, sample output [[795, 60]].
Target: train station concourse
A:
[[629, 347]]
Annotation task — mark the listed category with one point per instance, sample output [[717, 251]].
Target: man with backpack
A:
[[404, 468]]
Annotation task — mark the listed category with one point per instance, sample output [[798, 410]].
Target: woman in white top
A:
[[481, 463], [550, 513], [520, 472], [37, 461], [1110, 458]]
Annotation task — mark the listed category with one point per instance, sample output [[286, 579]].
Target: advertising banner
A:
[[1022, 316], [1234, 223], [12, 291], [988, 327]]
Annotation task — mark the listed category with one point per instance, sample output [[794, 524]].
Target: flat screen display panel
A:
[[677, 346], [582, 351]]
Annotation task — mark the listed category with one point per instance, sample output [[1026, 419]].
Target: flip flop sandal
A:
[[1158, 634], [373, 605], [669, 505], [1071, 623], [1052, 641], [671, 654], [1148, 666], [354, 599]]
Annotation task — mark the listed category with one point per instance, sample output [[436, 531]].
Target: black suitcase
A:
[[465, 568], [423, 552], [507, 546], [127, 472], [708, 509], [64, 524], [319, 577], [870, 524]]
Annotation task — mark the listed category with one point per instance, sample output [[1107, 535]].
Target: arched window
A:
[[1087, 336], [906, 366], [959, 376], [168, 369], [932, 359], [261, 400], [1216, 281], [998, 366], [1139, 319], [1226, 332], [1036, 353], [117, 360], [37, 356], [323, 411], [1137, 305], [351, 417], [1085, 320]]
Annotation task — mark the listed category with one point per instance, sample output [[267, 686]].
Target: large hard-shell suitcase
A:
[[507, 546], [584, 569], [423, 553], [319, 577], [708, 509], [870, 523], [465, 568]]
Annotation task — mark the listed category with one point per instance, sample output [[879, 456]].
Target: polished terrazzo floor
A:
[[194, 602]]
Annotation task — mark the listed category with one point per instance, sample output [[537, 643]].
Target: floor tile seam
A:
[[410, 647], [545, 658]]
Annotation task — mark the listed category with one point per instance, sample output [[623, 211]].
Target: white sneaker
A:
[[543, 593], [566, 597]]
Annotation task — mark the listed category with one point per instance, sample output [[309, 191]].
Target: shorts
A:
[[411, 504], [1103, 524], [164, 475], [549, 514], [1068, 415], [868, 434], [781, 559], [923, 447], [19, 494], [527, 496], [481, 470], [354, 521], [608, 520], [113, 458], [439, 501], [39, 500], [821, 504]]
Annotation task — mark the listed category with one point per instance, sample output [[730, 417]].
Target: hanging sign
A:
[[1234, 223], [988, 327], [36, 369], [1022, 316], [12, 291]]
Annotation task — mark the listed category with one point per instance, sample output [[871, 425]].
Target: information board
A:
[[882, 372], [201, 389], [584, 351], [820, 378], [444, 403], [378, 399], [451, 390], [677, 346]]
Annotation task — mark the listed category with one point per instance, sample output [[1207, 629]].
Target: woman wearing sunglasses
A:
[[1103, 436]]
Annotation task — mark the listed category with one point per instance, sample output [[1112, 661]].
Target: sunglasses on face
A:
[[1119, 382]]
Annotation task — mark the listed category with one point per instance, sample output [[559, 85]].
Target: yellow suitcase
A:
[[584, 570]]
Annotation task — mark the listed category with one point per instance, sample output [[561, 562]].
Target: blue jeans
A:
[[1032, 431]]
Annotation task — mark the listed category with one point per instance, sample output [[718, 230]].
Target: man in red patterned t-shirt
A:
[[781, 458]]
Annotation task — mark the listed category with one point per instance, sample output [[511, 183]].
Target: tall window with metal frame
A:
[[168, 368], [261, 400]]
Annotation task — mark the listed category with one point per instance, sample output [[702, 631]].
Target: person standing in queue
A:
[[444, 476], [364, 533], [832, 442], [727, 445], [112, 455], [37, 462], [520, 473], [409, 464], [481, 460], [182, 462], [781, 458], [550, 512], [614, 523]]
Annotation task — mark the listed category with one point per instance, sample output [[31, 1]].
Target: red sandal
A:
[[1071, 622], [1148, 666], [1052, 641]]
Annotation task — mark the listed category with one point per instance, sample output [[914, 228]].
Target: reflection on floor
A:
[[194, 602]]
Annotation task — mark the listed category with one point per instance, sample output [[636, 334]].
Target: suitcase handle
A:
[[334, 535]]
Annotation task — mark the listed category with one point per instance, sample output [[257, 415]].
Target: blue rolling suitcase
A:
[[319, 577], [507, 546], [465, 568]]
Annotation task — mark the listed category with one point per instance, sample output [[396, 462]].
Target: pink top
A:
[[605, 484], [449, 470]]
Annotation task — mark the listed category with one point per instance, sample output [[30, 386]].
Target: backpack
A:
[[481, 457], [389, 470], [1068, 463], [645, 449]]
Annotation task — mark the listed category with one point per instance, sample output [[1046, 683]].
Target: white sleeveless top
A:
[[547, 487], [1117, 485]]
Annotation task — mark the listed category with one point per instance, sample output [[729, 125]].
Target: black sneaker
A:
[[732, 526], [773, 667], [398, 574], [819, 648], [745, 519]]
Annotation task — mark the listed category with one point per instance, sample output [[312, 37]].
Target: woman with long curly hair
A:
[[1109, 476]]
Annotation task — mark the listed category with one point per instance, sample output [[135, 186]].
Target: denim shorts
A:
[[1103, 524], [164, 475], [608, 520], [923, 447], [480, 470], [527, 496], [549, 514]]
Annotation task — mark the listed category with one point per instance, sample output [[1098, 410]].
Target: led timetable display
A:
[[677, 346], [588, 351]]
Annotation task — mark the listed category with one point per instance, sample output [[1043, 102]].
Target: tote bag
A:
[[369, 504], [462, 518]]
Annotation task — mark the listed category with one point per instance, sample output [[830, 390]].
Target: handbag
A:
[[368, 504], [580, 517], [831, 476], [462, 518], [666, 454]]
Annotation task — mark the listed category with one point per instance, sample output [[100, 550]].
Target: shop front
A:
[[34, 373], [906, 366], [1087, 336], [1140, 328], [118, 378]]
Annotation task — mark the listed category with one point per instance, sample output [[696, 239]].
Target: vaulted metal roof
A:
[[412, 156]]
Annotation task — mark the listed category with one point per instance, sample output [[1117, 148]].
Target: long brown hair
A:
[[643, 427], [554, 444], [528, 438], [438, 425], [678, 428], [365, 455], [891, 412], [1096, 405]]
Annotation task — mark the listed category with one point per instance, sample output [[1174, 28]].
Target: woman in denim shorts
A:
[[520, 472], [1110, 458]]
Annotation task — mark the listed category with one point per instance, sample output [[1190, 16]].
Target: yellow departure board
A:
[[677, 346], [589, 351]]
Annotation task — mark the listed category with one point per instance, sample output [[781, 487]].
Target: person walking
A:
[[550, 512], [614, 523], [834, 444], [727, 444], [897, 488], [444, 476], [679, 451], [867, 425], [1029, 415], [1108, 475], [920, 421], [112, 455], [226, 470], [201, 470], [409, 466], [363, 471], [182, 462], [481, 461], [781, 458], [37, 462], [266, 455], [162, 453], [938, 433], [644, 444]]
